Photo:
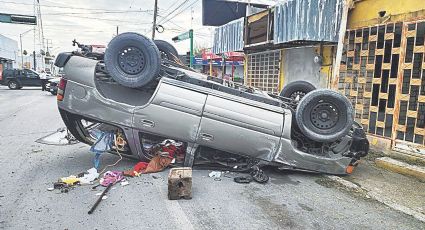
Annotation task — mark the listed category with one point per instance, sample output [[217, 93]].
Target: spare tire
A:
[[167, 51], [132, 60], [324, 115], [297, 88]]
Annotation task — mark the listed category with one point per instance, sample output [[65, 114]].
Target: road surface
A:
[[289, 201]]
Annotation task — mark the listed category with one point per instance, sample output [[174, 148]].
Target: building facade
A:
[[8, 52], [383, 71], [382, 68]]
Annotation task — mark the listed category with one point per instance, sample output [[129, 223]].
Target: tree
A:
[[25, 52]]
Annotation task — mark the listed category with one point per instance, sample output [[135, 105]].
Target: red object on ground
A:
[[140, 166], [159, 162]]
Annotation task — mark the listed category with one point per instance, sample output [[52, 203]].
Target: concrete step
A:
[[401, 167]]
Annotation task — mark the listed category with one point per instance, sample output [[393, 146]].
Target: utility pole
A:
[[22, 55], [191, 47], [155, 12]]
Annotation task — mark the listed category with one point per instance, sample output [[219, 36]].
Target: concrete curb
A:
[[382, 199], [401, 167]]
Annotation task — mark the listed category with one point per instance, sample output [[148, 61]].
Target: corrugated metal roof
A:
[[307, 20], [229, 37]]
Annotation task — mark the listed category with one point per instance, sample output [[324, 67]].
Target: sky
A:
[[95, 22]]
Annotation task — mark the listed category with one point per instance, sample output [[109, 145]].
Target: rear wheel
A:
[[132, 60], [297, 90], [13, 85], [75, 125], [324, 115]]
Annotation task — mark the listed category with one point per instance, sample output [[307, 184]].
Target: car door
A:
[[33, 78], [20, 76], [173, 112], [240, 127]]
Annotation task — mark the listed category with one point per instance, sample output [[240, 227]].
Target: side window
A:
[[30, 74]]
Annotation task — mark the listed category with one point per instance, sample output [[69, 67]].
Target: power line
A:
[[101, 19], [181, 11], [62, 7], [173, 11], [101, 12], [171, 6]]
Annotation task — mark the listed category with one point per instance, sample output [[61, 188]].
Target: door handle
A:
[[207, 137], [148, 123]]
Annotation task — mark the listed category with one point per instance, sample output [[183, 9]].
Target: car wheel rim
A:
[[324, 115], [13, 85], [131, 60]]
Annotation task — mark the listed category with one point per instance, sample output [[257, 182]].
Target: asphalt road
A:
[[289, 201]]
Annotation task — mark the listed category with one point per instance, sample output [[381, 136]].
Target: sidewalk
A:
[[403, 193]]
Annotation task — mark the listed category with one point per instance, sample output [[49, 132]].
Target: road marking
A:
[[173, 207]]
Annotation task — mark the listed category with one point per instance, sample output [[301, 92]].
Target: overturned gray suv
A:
[[139, 88]]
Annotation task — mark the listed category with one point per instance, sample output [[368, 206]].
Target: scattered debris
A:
[[100, 198], [61, 137], [104, 142], [180, 183], [215, 174], [243, 179], [111, 177], [50, 189], [163, 155], [70, 180], [89, 177], [258, 175], [36, 150], [124, 183]]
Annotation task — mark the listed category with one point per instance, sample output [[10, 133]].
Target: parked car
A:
[[18, 78], [140, 90], [52, 85]]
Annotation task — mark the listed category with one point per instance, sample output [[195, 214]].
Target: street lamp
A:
[[20, 39]]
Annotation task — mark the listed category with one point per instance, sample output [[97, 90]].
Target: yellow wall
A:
[[365, 12]]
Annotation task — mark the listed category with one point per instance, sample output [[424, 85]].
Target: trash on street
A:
[[111, 177], [215, 174], [90, 176]]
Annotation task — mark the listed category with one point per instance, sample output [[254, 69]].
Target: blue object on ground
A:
[[103, 143]]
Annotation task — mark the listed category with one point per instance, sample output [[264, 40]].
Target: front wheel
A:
[[324, 115], [167, 50], [13, 85]]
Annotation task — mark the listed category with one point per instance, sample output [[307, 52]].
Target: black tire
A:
[[297, 88], [167, 50], [132, 60], [75, 127], [324, 115], [12, 84], [54, 92]]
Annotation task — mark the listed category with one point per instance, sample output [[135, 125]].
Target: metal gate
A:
[[382, 73], [263, 71]]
